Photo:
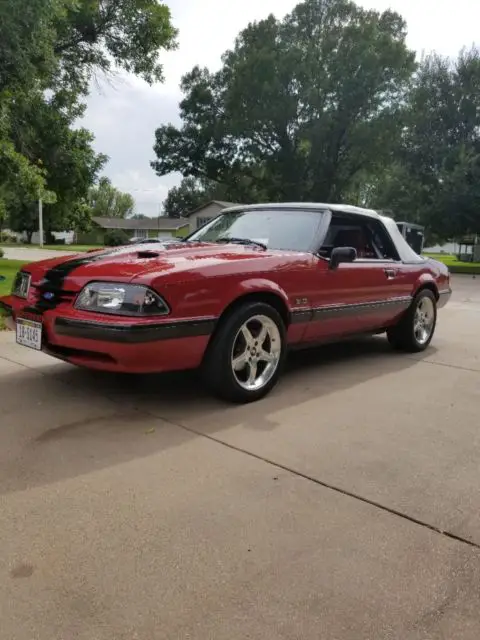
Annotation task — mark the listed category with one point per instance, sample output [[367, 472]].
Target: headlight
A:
[[21, 284], [121, 299]]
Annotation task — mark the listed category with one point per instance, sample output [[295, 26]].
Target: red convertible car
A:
[[234, 296]]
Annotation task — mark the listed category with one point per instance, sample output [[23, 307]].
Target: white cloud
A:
[[124, 116]]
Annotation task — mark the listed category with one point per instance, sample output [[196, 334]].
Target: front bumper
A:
[[6, 304], [443, 297], [132, 333], [134, 347]]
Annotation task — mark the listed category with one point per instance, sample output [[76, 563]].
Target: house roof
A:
[[161, 223], [221, 203]]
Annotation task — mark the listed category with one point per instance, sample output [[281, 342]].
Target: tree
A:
[[42, 131], [26, 62], [49, 40], [436, 175], [95, 35], [49, 52], [27, 38], [115, 238], [190, 194], [299, 107], [107, 201]]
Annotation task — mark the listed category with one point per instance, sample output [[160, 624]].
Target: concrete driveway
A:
[[345, 506]]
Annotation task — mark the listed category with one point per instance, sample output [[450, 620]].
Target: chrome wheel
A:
[[256, 352], [424, 320]]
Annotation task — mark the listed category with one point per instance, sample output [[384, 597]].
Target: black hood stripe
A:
[[54, 278]]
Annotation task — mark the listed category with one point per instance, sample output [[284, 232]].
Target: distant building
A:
[[159, 227]]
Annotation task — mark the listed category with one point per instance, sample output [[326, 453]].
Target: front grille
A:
[[48, 297], [21, 284]]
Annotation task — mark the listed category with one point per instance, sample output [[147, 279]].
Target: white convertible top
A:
[[345, 208], [405, 251]]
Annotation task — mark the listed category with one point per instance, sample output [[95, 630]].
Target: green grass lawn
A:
[[455, 265], [70, 247], [8, 269], [54, 247]]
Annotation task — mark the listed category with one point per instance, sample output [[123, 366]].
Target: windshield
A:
[[287, 229]]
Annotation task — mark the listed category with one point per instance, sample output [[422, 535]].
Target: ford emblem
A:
[[49, 295]]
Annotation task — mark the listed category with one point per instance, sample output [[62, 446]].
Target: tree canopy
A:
[[107, 201], [436, 175], [99, 35], [190, 194], [27, 38], [299, 107], [328, 104], [49, 52]]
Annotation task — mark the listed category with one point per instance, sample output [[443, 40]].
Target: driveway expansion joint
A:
[[325, 485]]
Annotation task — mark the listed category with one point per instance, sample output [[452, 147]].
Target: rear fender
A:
[[426, 281]]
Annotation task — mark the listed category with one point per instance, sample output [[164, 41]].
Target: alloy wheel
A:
[[256, 352], [424, 320]]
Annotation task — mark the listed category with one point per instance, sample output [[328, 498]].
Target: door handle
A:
[[390, 273]]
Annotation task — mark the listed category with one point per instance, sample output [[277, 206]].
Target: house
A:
[[159, 227], [199, 216]]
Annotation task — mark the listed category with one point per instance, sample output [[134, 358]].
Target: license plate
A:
[[29, 333]]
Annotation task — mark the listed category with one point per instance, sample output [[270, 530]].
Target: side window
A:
[[366, 235], [334, 235], [381, 241], [347, 231]]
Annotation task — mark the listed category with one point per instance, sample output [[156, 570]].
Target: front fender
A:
[[256, 285]]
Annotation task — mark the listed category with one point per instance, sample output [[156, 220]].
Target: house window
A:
[[202, 221], [141, 233]]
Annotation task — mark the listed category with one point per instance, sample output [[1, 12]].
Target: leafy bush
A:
[[115, 238], [5, 236], [2, 253]]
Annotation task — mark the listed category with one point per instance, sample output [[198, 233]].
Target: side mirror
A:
[[342, 254]]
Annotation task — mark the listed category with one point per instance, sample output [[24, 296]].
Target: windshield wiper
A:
[[245, 241]]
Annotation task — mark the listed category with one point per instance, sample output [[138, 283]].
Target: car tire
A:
[[234, 353], [415, 330]]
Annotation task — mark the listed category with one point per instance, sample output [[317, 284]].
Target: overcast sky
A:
[[124, 116]]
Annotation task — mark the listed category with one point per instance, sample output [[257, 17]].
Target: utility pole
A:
[[40, 220]]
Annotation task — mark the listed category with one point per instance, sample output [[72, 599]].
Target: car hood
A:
[[140, 263]]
